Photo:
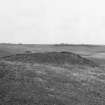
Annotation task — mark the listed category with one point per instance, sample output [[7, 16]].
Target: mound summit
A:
[[58, 58]]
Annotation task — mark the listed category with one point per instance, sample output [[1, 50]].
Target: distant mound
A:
[[59, 58]]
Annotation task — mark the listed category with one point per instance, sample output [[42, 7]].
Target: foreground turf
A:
[[40, 84]]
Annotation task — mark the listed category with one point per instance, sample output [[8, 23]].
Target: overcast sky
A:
[[52, 21]]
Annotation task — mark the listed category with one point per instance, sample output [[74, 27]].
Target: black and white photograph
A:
[[52, 52]]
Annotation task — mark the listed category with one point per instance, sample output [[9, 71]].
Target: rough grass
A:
[[40, 84]]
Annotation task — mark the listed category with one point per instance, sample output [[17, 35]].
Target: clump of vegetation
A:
[[28, 52]]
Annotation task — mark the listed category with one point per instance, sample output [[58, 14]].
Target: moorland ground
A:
[[52, 74]]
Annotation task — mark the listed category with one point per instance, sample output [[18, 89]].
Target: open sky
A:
[[52, 21]]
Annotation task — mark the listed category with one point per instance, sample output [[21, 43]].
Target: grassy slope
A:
[[38, 84]]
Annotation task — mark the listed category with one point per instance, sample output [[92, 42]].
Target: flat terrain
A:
[[52, 74]]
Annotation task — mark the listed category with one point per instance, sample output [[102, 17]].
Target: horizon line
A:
[[57, 44]]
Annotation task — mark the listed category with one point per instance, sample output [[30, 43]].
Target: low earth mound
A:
[[57, 58]]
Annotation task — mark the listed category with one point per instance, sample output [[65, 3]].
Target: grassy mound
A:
[[58, 58]]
